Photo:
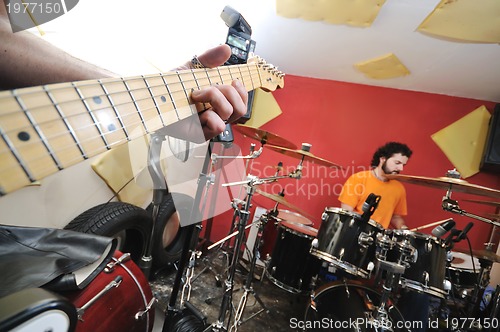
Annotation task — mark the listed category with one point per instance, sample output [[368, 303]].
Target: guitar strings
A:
[[96, 83], [104, 148], [109, 107]]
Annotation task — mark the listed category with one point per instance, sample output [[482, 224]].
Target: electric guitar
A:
[[48, 128]]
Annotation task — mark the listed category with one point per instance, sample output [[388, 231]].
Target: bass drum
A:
[[351, 306], [116, 300]]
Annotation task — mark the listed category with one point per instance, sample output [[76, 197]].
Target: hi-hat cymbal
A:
[[447, 183], [481, 254], [264, 137], [281, 200], [497, 204], [306, 155]]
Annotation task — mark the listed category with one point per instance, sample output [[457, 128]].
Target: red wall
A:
[[345, 123]]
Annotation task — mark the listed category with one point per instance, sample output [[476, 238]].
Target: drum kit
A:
[[373, 264]]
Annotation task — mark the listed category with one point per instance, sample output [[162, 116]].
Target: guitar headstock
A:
[[271, 77]]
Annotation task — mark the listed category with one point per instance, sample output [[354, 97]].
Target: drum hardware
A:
[[408, 253], [384, 244], [240, 218], [365, 240], [211, 181], [113, 284], [248, 289], [172, 313], [122, 259], [101, 305], [451, 182], [393, 274]]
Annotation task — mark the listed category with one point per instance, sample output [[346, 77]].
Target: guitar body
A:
[[61, 197]]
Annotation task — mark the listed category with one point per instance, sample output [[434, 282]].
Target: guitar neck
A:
[[48, 128]]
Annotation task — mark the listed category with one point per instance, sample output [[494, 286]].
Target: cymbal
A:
[[497, 204], [264, 137], [446, 183], [306, 155], [281, 200], [481, 254]]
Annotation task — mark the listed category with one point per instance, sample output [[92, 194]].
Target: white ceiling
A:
[[148, 31]]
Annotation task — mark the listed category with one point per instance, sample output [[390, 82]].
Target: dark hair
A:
[[388, 150]]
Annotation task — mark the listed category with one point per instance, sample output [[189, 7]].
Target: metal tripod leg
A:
[[248, 284]]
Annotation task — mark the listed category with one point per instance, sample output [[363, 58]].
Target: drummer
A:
[[388, 159]]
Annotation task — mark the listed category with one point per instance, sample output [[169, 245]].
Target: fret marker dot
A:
[[111, 127], [163, 99], [97, 99], [23, 136]]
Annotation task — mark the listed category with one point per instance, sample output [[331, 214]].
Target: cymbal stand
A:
[[241, 215], [248, 289], [214, 158]]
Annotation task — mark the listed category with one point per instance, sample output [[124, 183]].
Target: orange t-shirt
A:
[[393, 196]]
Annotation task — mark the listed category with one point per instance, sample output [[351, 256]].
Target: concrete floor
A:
[[207, 295]]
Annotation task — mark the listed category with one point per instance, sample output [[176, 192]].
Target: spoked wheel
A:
[[129, 224]]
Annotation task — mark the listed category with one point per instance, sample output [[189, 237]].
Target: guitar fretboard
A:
[[48, 128]]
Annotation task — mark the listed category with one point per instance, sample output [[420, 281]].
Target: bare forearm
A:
[[398, 222], [26, 60]]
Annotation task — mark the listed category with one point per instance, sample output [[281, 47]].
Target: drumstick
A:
[[228, 237], [428, 225]]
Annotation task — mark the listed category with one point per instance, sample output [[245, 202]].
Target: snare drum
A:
[[291, 266], [426, 271], [461, 272], [346, 242], [116, 300]]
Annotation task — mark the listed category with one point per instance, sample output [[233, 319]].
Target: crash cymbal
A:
[[481, 254], [305, 155], [264, 137], [447, 183], [281, 200], [497, 204]]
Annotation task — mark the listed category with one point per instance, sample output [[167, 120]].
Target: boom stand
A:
[[248, 284], [242, 216], [183, 262], [209, 261]]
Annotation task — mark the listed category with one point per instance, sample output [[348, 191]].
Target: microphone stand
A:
[[452, 206]]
